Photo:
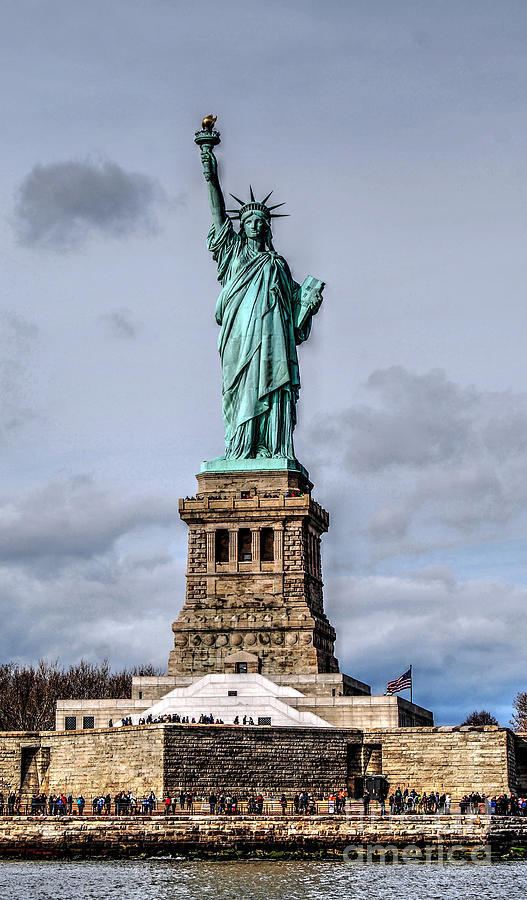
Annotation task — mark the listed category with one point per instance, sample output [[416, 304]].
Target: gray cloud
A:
[[434, 459], [75, 519], [87, 571], [60, 205], [388, 522], [113, 605], [120, 324], [17, 338], [451, 630], [419, 420]]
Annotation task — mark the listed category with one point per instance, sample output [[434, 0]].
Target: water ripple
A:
[[166, 879]]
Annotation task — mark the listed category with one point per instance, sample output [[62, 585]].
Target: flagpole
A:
[[411, 686]]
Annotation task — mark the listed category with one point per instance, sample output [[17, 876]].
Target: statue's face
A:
[[255, 225]]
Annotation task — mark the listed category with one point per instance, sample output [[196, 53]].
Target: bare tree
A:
[[519, 716], [28, 693], [480, 717]]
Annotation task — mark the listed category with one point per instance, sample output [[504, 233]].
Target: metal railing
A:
[[93, 808]]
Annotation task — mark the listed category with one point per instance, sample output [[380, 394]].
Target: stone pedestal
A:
[[254, 578]]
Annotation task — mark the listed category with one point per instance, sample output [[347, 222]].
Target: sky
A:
[[396, 134]]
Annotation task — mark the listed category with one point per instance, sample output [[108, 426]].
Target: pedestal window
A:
[[222, 545], [267, 545], [245, 545]]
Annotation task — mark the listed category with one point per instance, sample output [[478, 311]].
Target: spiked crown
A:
[[253, 205]]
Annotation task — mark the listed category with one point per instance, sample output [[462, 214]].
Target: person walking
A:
[[151, 802]]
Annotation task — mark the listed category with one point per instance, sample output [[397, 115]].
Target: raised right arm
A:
[[216, 200]]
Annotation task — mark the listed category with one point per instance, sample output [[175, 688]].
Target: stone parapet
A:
[[324, 684], [365, 711], [255, 505], [76, 715], [210, 835], [94, 762], [243, 760], [455, 760]]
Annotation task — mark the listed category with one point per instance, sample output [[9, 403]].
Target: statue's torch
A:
[[207, 137]]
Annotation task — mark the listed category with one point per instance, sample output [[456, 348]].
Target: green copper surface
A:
[[263, 314], [259, 464]]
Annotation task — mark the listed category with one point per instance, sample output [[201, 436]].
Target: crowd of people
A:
[[501, 805], [10, 805], [54, 804], [223, 804], [303, 804], [412, 801], [181, 720], [337, 802], [185, 800], [175, 718], [124, 803], [470, 803]]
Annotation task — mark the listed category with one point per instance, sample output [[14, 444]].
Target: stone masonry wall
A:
[[90, 762], [451, 761], [197, 561], [518, 752], [121, 837], [11, 744], [236, 759], [247, 760], [107, 760], [269, 607]]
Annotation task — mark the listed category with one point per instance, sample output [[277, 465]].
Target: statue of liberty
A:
[[263, 314]]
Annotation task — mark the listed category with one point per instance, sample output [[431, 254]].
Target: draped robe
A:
[[257, 346]]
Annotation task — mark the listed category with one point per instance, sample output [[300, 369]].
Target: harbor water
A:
[[172, 879]]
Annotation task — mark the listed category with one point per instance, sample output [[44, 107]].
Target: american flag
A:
[[401, 683]]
